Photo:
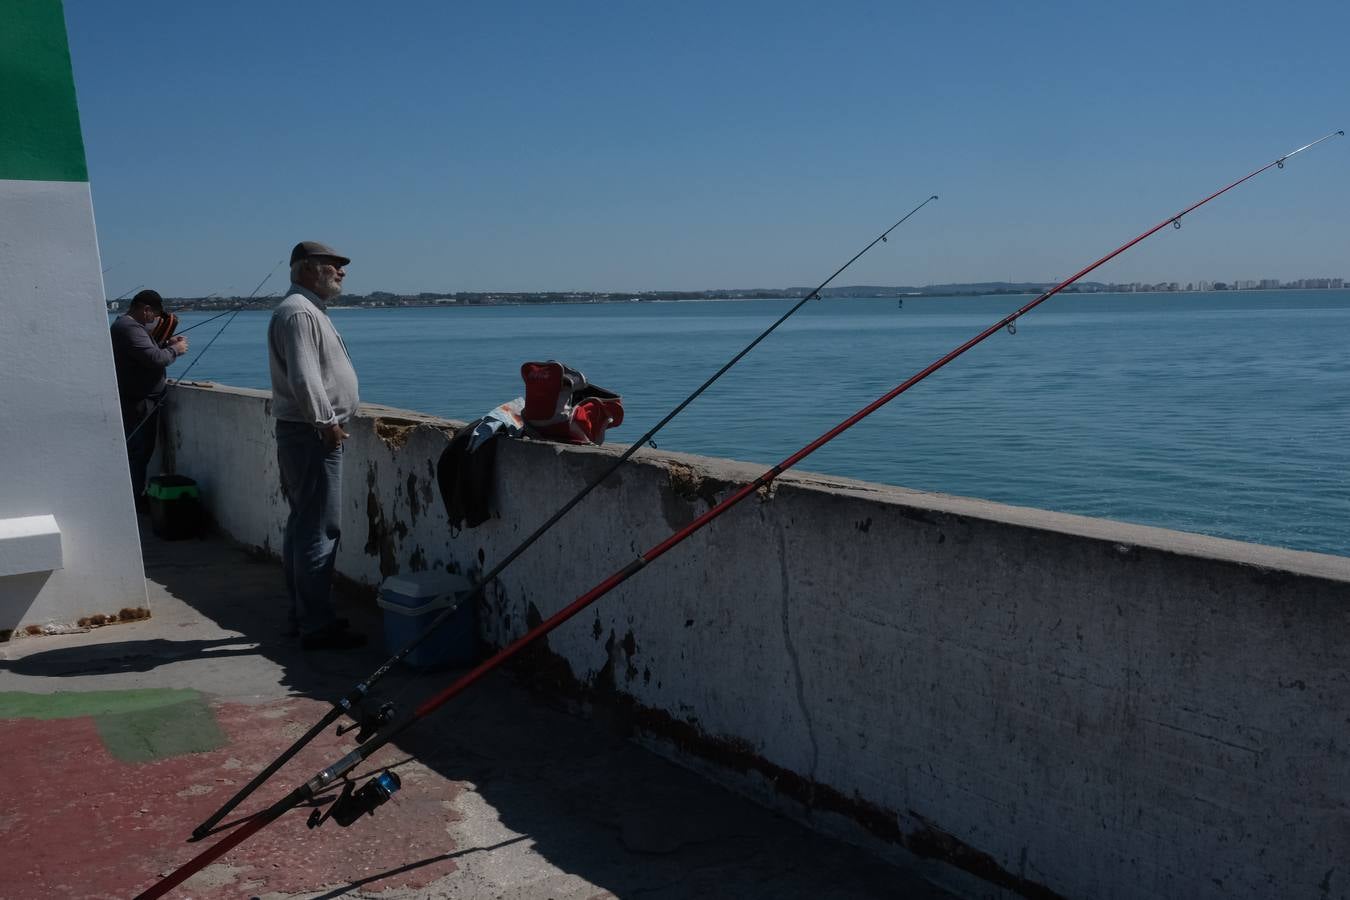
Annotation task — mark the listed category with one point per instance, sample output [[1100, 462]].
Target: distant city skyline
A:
[[532, 146], [1243, 284], [859, 291]]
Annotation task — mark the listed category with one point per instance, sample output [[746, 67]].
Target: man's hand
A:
[[333, 436], [178, 344]]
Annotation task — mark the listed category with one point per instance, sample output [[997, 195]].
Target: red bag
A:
[[561, 405]]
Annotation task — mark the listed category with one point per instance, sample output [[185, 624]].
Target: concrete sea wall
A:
[[1034, 704]]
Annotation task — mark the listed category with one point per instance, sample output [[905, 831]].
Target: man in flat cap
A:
[[140, 363], [314, 393]]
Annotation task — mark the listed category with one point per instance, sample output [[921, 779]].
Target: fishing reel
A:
[[352, 804], [368, 722]]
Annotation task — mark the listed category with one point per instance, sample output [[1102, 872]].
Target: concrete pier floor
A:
[[120, 740]]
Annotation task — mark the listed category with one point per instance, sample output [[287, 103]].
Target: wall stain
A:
[[917, 515], [543, 669], [605, 679], [629, 646], [379, 541], [418, 561], [430, 487], [414, 504]]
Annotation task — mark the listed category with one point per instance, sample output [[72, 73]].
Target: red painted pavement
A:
[[76, 823]]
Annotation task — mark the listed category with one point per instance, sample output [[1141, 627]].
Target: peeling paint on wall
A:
[[688, 483], [688, 489], [395, 432]]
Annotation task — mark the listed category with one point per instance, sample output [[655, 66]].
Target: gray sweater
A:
[[312, 377]]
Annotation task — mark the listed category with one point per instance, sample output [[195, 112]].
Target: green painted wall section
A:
[[135, 726], [39, 121]]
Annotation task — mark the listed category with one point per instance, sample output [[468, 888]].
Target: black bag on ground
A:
[[175, 507]]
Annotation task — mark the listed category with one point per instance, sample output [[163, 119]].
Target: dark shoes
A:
[[338, 637]]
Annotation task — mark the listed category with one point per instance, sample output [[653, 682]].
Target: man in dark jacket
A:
[[140, 364]]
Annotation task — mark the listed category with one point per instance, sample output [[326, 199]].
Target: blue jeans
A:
[[311, 479]]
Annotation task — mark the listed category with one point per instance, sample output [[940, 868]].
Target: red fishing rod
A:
[[352, 804], [370, 721]]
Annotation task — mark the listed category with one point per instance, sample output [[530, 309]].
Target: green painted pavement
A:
[[73, 704], [39, 121], [135, 726], [143, 735]]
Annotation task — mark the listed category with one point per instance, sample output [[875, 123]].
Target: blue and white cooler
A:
[[411, 601]]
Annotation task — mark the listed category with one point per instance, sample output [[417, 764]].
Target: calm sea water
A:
[[1225, 414]]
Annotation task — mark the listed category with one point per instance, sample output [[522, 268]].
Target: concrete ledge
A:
[[29, 544]]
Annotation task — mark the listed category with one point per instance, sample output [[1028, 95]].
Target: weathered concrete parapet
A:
[[1050, 704]]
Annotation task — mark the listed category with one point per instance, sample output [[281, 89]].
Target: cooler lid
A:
[[425, 584]]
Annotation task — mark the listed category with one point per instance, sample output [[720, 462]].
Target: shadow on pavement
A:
[[131, 656], [575, 797]]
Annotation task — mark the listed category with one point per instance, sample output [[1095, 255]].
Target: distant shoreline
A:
[[388, 301]]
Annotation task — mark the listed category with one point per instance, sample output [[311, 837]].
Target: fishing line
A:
[[122, 296], [340, 769], [242, 306], [369, 722], [173, 384]]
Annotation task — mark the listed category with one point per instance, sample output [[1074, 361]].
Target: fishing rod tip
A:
[[934, 197]]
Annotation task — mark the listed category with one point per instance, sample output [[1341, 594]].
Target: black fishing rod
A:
[[370, 722], [356, 803], [200, 353], [122, 296], [242, 306]]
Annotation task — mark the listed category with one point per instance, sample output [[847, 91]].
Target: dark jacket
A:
[[140, 365]]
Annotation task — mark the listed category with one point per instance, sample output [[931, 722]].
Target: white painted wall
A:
[[1060, 704], [60, 426]]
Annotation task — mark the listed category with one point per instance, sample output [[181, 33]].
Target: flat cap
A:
[[306, 249]]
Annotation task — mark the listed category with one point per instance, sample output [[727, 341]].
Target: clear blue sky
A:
[[643, 146]]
